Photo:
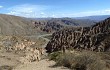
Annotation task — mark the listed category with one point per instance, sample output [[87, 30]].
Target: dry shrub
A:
[[54, 56], [65, 60], [82, 61], [105, 56], [6, 67]]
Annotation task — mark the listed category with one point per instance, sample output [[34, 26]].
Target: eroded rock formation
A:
[[30, 49], [82, 38], [55, 24]]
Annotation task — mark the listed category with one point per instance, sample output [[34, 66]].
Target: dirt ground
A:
[[11, 61]]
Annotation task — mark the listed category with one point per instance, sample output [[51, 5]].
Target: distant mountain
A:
[[95, 18], [55, 24], [73, 22], [15, 25]]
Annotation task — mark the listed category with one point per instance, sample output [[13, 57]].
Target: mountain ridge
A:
[[95, 17]]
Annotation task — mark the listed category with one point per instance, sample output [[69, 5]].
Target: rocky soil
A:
[[41, 65], [19, 58]]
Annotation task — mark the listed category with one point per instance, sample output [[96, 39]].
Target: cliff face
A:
[[94, 38]]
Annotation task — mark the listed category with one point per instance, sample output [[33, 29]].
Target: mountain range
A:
[[95, 18], [15, 25]]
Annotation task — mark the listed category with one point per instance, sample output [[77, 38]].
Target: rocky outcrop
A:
[[30, 49], [55, 24], [47, 26], [92, 38]]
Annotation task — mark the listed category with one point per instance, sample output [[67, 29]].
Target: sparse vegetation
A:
[[6, 67], [54, 56], [82, 60]]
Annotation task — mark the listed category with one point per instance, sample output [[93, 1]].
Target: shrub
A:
[[54, 56], [106, 57], [6, 67], [86, 61], [65, 60], [82, 61]]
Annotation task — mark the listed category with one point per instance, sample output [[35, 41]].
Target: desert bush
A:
[[88, 61], [65, 60], [106, 57], [6, 67], [81, 61], [54, 56]]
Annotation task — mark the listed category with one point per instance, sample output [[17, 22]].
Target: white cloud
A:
[[1, 6], [28, 10], [88, 13]]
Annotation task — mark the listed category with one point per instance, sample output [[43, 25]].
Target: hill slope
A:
[[14, 25]]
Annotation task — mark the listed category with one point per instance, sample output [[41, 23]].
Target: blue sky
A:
[[55, 8]]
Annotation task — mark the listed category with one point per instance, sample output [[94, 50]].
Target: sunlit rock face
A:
[[94, 38]]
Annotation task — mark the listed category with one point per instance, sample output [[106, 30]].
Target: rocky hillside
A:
[[55, 24], [94, 38], [14, 25]]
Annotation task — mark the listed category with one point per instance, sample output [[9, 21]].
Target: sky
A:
[[54, 8]]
